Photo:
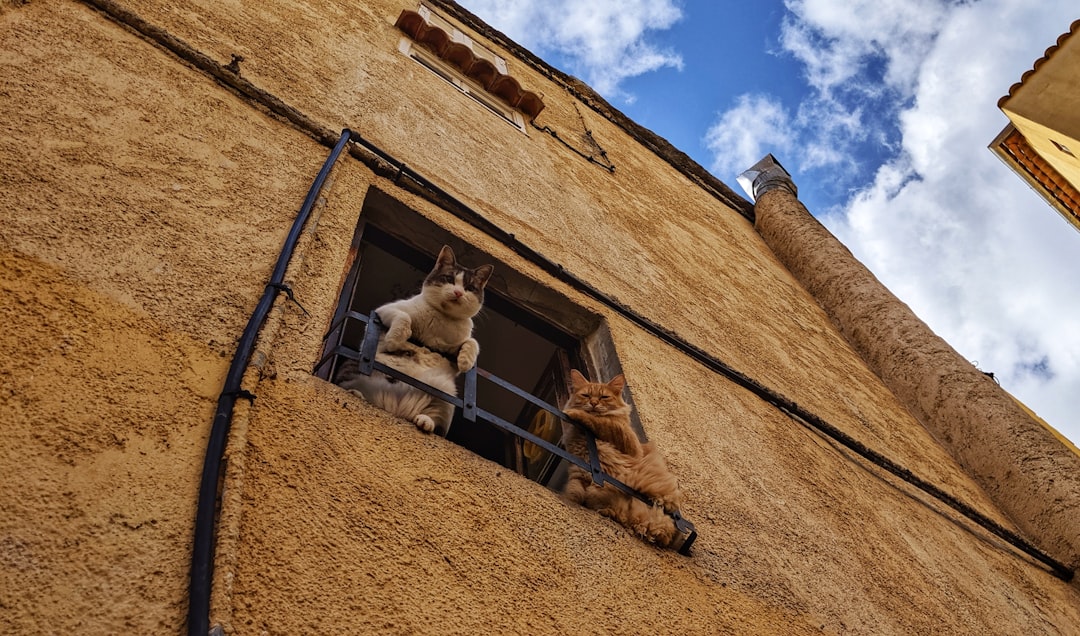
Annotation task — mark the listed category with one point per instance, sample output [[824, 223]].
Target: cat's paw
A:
[[467, 355], [398, 334], [671, 504], [577, 415], [424, 423], [662, 534]]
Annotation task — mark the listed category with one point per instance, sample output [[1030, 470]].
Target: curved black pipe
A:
[[202, 565]]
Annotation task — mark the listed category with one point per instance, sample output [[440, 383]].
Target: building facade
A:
[[1041, 143], [171, 462]]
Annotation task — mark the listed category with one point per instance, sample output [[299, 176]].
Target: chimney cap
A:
[[766, 175]]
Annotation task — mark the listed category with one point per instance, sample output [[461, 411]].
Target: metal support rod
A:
[[469, 397], [369, 347]]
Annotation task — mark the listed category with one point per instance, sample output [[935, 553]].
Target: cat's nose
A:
[[458, 293]]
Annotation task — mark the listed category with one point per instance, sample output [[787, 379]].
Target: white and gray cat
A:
[[428, 337]]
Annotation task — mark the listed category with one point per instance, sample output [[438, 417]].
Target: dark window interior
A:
[[515, 345], [530, 337]]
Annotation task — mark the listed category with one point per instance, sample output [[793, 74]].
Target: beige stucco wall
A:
[[143, 207], [1041, 138]]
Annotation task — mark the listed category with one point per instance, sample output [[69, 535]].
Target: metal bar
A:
[[594, 457], [469, 410], [340, 321], [521, 393], [594, 467], [341, 351], [491, 418], [370, 344], [472, 412]]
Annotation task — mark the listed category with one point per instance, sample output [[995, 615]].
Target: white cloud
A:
[[910, 89], [956, 235], [603, 41], [755, 126], [861, 60], [838, 41]]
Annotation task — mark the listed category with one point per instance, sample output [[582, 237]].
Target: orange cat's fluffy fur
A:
[[599, 407]]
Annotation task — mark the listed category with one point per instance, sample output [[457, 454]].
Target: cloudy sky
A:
[[882, 110]]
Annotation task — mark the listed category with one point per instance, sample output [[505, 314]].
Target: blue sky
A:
[[882, 110]]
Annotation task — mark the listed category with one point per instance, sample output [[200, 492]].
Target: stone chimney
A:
[[1031, 475]]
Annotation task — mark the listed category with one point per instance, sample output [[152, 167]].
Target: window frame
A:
[[1063, 148], [384, 215], [428, 60]]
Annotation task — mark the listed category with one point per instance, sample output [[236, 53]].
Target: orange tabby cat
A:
[[599, 407]]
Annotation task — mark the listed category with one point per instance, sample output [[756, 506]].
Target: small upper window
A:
[[431, 62], [474, 69], [1062, 148], [527, 347]]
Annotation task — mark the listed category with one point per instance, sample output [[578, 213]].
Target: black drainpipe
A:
[[202, 565]]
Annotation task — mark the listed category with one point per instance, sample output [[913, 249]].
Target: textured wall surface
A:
[[142, 207]]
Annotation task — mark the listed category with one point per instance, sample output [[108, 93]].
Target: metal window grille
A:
[[471, 411]]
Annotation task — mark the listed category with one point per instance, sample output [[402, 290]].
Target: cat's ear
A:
[[446, 258], [576, 379], [482, 274], [617, 383]]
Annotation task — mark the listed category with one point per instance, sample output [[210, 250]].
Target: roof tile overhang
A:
[[1073, 28], [1013, 148], [478, 69]]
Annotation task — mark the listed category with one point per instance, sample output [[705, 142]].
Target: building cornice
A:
[[1073, 28]]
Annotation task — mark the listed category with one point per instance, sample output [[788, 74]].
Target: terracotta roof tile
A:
[[1073, 28], [477, 68]]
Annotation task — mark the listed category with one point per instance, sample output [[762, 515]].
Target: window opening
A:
[[1062, 148], [441, 47], [508, 406], [519, 347], [447, 73]]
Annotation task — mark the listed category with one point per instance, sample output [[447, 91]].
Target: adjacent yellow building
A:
[[201, 201], [1041, 143]]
